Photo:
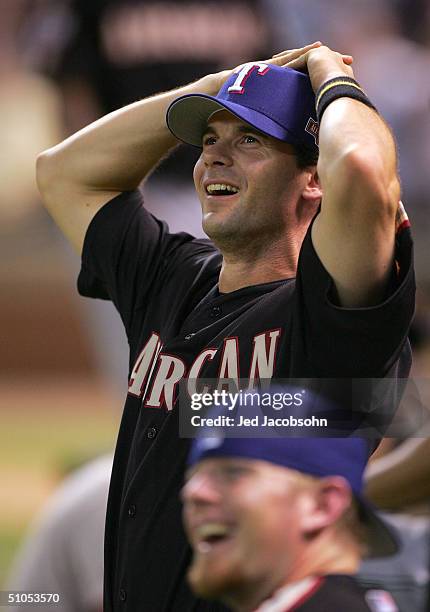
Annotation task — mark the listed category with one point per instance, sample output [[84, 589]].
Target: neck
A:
[[331, 558], [253, 266], [341, 557]]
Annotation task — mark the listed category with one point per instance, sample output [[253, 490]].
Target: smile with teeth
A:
[[221, 189], [209, 534]]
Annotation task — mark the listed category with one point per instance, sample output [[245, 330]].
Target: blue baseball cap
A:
[[279, 102], [319, 457]]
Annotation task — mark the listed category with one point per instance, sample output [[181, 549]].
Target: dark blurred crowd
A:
[[106, 53]]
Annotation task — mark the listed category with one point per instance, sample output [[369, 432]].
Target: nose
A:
[[217, 154]]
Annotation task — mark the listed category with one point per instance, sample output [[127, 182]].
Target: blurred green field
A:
[[46, 432]]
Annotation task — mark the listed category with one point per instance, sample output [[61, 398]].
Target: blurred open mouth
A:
[[209, 537]]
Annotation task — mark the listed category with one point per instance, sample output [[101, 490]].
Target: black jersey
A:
[[179, 326], [332, 593]]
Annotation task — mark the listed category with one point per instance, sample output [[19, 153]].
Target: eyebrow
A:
[[242, 129]]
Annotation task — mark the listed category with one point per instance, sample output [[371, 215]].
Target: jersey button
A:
[[216, 311], [132, 510], [151, 433], [122, 595]]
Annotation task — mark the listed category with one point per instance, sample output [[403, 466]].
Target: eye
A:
[[234, 472], [209, 140], [249, 139]]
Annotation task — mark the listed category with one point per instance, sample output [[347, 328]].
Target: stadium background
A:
[[62, 64]]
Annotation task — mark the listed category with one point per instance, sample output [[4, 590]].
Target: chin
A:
[[214, 221], [223, 230], [210, 582]]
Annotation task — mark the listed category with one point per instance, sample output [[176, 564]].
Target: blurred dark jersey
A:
[[128, 50], [180, 327]]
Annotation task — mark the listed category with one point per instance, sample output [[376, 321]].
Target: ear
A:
[[312, 191], [331, 497]]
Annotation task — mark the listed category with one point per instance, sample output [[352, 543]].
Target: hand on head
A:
[[298, 59]]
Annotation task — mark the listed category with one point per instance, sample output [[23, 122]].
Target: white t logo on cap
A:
[[244, 72]]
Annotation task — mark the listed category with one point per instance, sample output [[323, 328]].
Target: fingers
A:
[[299, 51], [283, 57], [287, 56], [297, 58], [300, 63], [297, 64]]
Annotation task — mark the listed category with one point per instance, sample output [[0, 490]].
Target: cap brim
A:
[[382, 540], [187, 118]]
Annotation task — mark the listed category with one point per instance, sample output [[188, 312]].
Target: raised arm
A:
[[401, 477], [354, 234], [114, 154]]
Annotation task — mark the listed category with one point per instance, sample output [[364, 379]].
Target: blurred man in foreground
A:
[[279, 525]]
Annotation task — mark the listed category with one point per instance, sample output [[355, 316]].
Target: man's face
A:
[[243, 520], [246, 181]]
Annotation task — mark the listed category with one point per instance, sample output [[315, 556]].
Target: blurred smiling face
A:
[[242, 518], [244, 180]]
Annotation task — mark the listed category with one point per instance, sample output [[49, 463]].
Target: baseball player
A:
[[281, 525], [292, 283]]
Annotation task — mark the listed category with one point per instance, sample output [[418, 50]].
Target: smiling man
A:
[[243, 203], [281, 525], [308, 271]]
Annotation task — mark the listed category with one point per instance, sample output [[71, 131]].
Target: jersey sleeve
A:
[[129, 253], [365, 340]]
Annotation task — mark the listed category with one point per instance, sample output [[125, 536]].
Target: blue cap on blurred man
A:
[[318, 457]]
